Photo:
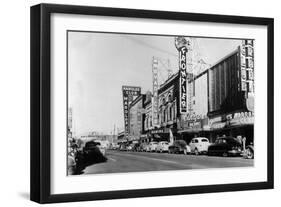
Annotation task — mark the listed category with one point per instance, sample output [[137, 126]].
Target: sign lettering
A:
[[128, 93], [183, 77], [155, 92]]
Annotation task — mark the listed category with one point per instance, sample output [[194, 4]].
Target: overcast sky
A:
[[100, 63]]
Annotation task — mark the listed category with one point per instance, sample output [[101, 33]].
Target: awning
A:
[[190, 130]]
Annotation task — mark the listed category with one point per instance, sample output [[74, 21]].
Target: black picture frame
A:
[[41, 102]]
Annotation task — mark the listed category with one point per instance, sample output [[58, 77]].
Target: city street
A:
[[122, 161]]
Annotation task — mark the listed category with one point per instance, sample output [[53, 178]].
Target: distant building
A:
[[104, 139], [147, 112], [120, 135], [136, 118]]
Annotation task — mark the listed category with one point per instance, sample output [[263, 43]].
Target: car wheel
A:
[[196, 152], [249, 154], [224, 154]]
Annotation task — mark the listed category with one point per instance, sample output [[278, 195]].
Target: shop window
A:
[[169, 97], [170, 112], [193, 88]]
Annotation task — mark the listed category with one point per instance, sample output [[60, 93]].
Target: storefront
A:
[[159, 134], [190, 128], [233, 124]]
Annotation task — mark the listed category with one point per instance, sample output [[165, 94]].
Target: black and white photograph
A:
[[156, 102]]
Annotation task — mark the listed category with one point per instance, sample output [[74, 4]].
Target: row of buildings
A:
[[221, 102]]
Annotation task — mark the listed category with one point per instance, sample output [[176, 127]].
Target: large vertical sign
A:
[[128, 96], [247, 66], [190, 78], [249, 53], [243, 67], [126, 114], [181, 44], [183, 79], [155, 92]]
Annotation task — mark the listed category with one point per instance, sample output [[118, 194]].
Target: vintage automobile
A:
[[199, 145], [152, 146], [136, 147], [93, 152], [225, 146], [162, 146], [114, 146], [101, 147], [179, 146], [129, 147], [122, 147], [143, 147]]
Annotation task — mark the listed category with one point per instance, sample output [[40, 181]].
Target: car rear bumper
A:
[[203, 151], [234, 152]]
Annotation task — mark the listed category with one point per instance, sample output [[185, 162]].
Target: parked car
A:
[[122, 147], [93, 152], [152, 146], [114, 146], [179, 146], [144, 147], [136, 147], [162, 147], [129, 147], [225, 146], [101, 147], [199, 145]]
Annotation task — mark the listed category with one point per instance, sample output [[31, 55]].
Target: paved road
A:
[[120, 161]]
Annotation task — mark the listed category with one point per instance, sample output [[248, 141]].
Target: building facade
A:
[[220, 102], [195, 122], [148, 124], [168, 102], [224, 83], [167, 98], [136, 119]]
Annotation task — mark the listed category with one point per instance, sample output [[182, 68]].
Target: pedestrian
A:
[[244, 143], [239, 138]]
